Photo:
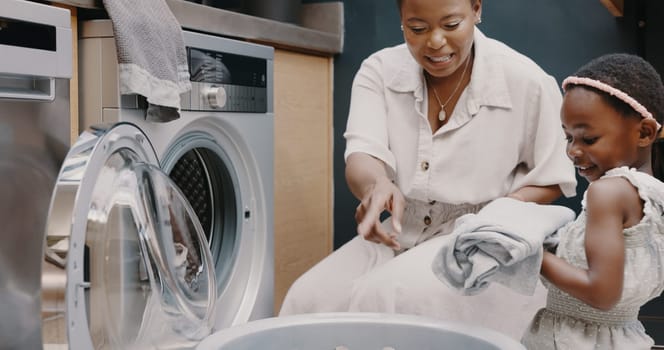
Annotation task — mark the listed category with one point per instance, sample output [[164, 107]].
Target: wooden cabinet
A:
[[303, 165], [73, 82]]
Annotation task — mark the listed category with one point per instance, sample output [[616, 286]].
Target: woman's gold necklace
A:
[[442, 115]]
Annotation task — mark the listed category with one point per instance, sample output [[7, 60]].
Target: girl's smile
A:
[[599, 138]]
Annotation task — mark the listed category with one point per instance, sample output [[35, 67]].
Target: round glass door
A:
[[139, 270]]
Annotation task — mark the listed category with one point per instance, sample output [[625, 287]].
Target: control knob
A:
[[216, 96]]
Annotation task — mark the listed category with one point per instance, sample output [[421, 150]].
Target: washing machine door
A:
[[138, 268]]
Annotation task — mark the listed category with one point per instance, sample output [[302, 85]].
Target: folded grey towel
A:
[[151, 54], [501, 243]]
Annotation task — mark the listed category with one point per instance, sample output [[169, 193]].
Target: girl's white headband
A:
[[639, 108]]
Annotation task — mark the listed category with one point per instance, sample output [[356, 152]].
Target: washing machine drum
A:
[[139, 270]]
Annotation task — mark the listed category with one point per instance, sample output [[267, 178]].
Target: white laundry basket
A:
[[356, 331]]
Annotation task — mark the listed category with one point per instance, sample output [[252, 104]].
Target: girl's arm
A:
[[612, 205]]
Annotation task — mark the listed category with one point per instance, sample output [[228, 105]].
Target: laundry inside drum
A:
[[206, 180]]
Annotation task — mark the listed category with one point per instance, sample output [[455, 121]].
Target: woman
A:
[[438, 127]]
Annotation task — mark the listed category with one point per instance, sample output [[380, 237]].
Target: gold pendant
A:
[[441, 115]]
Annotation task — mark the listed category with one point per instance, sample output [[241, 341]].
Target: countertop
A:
[[321, 31]]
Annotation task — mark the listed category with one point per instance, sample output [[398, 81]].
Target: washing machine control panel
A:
[[227, 82]]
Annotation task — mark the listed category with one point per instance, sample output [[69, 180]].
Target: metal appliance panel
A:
[[34, 137]]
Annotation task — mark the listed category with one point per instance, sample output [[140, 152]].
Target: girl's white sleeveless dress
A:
[[568, 323]]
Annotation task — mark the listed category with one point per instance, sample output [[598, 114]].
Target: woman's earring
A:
[[479, 20], [402, 27]]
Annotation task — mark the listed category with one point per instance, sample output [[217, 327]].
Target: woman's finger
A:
[[371, 215], [383, 237], [398, 205], [359, 213]]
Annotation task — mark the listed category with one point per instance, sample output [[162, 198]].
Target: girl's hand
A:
[[383, 195]]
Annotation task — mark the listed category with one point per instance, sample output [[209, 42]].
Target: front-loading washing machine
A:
[[160, 233]]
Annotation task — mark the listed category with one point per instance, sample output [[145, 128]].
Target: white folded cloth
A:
[[501, 243], [151, 54]]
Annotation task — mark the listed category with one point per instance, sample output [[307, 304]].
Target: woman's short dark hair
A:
[[400, 2]]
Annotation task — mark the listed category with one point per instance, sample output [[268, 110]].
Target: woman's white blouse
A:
[[503, 134]]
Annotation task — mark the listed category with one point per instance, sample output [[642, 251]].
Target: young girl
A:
[[610, 260]]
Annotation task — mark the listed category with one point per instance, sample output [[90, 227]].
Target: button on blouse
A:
[[427, 220]]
